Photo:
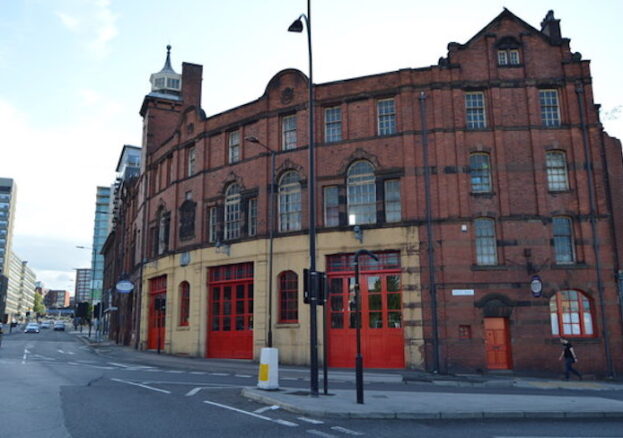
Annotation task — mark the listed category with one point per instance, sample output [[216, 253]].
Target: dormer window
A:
[[159, 82], [508, 51], [173, 83], [508, 57]]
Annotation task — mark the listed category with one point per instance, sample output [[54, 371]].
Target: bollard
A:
[[268, 376]]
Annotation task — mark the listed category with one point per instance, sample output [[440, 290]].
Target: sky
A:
[[74, 74]]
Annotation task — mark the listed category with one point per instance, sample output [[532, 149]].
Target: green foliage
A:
[[38, 307]]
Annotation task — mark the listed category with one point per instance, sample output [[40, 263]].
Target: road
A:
[[53, 385]]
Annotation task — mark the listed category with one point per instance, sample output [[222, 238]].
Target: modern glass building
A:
[[8, 192], [101, 229]]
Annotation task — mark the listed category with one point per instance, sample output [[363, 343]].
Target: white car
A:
[[59, 325], [32, 327]]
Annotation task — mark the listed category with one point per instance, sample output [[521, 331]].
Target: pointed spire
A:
[[167, 64]]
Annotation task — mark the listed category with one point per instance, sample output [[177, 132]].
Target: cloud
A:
[[95, 26], [105, 28], [70, 22]]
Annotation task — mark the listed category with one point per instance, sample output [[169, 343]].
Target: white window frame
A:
[[361, 193], [232, 213], [289, 202], [333, 124], [564, 248], [252, 216], [288, 132], [557, 172], [485, 242], [549, 103], [331, 201], [233, 147], [192, 161], [213, 224], [393, 210], [386, 116], [475, 111], [480, 176]]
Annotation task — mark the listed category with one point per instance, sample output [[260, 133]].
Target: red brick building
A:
[[502, 138]]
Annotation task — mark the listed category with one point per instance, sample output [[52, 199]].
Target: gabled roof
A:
[[505, 14]]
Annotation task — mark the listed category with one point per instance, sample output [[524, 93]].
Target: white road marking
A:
[[266, 408], [40, 356], [252, 414], [310, 420], [219, 374], [25, 356], [289, 378], [198, 373], [194, 391], [174, 372], [346, 431], [318, 433], [242, 375], [61, 351], [117, 364], [141, 385]]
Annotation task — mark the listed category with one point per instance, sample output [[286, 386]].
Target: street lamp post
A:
[[359, 357], [297, 26], [271, 227]]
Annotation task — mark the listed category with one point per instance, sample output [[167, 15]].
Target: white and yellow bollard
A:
[[268, 376]]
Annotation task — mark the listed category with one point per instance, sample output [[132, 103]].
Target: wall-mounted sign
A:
[[536, 286], [124, 286], [462, 292]]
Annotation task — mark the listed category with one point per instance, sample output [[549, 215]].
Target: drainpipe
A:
[[432, 286], [579, 90]]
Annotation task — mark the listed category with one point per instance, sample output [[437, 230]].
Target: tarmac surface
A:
[[581, 401]]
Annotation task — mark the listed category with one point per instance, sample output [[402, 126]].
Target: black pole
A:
[[270, 254], [593, 220], [325, 343], [159, 314], [359, 357], [432, 285]]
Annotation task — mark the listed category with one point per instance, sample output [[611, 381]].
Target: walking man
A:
[[570, 358]]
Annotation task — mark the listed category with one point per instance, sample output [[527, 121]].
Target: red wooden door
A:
[[497, 344], [230, 328], [157, 312], [382, 337]]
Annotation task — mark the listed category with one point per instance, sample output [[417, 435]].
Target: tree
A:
[[38, 307]]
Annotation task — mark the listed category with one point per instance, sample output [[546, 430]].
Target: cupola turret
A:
[[166, 81]]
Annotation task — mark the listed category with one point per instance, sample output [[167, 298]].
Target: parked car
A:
[[46, 325], [32, 327], [59, 325]]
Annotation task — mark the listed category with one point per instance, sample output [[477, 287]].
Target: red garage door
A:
[[230, 310], [157, 312], [382, 338]]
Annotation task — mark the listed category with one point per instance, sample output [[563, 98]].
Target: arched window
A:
[[289, 202], [570, 314], [232, 212], [288, 297], [184, 303], [162, 231], [361, 195]]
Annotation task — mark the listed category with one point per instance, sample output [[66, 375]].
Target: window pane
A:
[[333, 124], [486, 248], [361, 194], [392, 201], [331, 207], [234, 146], [232, 212], [375, 320], [556, 165], [554, 321], [288, 130], [480, 173], [289, 202], [386, 117], [550, 114], [394, 319], [475, 110], [563, 240]]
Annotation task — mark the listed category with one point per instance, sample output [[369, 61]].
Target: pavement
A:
[[581, 399]]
